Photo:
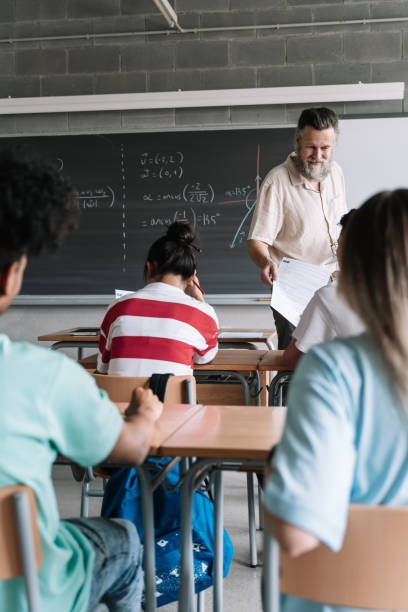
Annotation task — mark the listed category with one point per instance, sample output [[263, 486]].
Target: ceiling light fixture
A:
[[168, 12]]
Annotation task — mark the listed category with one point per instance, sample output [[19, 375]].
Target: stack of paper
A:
[[297, 283]]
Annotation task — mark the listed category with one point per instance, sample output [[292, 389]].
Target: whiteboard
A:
[[373, 154]]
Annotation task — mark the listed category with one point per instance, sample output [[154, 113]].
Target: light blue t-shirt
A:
[[345, 441], [50, 405]]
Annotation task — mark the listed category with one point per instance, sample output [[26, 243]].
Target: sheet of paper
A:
[[86, 332], [297, 282], [120, 292], [238, 334]]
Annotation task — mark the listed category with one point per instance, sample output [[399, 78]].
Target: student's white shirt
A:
[[326, 317]]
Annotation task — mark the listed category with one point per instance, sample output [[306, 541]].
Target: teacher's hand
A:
[[269, 273]]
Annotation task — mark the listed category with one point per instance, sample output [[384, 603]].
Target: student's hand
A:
[[269, 273], [144, 403], [193, 289]]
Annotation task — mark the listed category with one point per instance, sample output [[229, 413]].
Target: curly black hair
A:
[[36, 210]]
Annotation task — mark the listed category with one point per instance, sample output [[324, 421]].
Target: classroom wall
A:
[[281, 57]]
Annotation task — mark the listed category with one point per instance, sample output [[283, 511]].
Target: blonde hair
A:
[[374, 277]]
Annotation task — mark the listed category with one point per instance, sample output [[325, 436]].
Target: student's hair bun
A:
[[175, 252], [180, 231]]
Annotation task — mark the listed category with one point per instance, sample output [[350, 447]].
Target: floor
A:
[[242, 585]]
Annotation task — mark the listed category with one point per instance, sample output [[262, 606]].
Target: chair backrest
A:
[[20, 546], [10, 557], [179, 390], [368, 572]]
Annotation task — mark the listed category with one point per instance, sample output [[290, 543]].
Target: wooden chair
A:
[[20, 544], [20, 547], [368, 572], [179, 390]]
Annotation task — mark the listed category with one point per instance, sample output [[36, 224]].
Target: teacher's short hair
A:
[[319, 119]]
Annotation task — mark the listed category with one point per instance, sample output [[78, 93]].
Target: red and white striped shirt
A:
[[157, 330]]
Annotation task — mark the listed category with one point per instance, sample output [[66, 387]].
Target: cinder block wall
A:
[[165, 62], [312, 55]]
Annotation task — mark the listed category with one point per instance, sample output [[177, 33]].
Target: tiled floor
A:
[[242, 585]]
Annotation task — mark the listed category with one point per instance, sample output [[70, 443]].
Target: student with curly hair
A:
[[50, 405]]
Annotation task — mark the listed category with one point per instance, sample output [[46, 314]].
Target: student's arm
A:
[[292, 355], [259, 253], [307, 493], [86, 426], [194, 289], [138, 427], [292, 540], [207, 324]]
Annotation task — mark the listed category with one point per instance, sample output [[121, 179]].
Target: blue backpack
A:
[[122, 500]]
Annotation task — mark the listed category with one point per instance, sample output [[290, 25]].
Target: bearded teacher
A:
[[299, 206]]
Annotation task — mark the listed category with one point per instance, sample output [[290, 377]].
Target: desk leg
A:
[[253, 562], [264, 381], [270, 574], [218, 540], [148, 540], [186, 593]]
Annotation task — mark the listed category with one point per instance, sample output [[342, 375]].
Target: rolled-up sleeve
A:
[[267, 218]]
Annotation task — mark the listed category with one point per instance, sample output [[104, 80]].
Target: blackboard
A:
[[129, 187]]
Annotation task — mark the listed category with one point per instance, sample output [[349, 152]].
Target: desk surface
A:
[[272, 361], [233, 359], [69, 335], [238, 360], [228, 432], [173, 417]]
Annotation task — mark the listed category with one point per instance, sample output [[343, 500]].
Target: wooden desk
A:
[[173, 418], [272, 361], [244, 335], [239, 363], [221, 437], [266, 336], [68, 335], [67, 338], [243, 432], [239, 360]]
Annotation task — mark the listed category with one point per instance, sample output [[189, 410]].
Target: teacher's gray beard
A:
[[310, 172]]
